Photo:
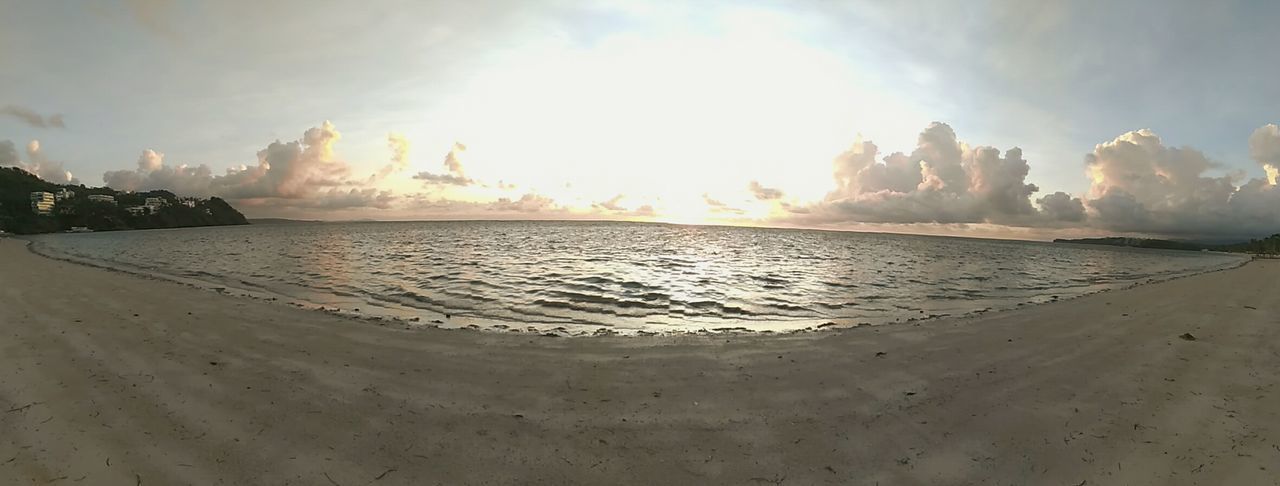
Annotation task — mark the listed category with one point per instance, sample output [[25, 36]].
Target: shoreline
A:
[[111, 378], [397, 315]]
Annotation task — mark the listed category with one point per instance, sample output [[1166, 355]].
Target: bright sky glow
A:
[[623, 110]]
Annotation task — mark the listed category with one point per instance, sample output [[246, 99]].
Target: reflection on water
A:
[[626, 276]]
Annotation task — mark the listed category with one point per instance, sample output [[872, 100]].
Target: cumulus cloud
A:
[[763, 193], [1139, 184], [37, 163], [1061, 206], [30, 117], [1264, 147], [942, 180], [303, 173], [455, 175]]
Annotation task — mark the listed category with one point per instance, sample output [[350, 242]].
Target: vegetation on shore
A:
[[1265, 246], [17, 216]]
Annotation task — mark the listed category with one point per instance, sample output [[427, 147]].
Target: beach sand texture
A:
[[112, 379]]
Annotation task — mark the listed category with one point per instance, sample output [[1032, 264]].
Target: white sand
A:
[[109, 379]]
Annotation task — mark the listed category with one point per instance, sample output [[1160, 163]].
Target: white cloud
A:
[[37, 163], [455, 176], [942, 180], [399, 146], [763, 193], [1264, 147], [1139, 184], [303, 173]]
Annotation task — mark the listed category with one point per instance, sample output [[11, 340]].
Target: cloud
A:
[[456, 176], [942, 180], [614, 207], [714, 203], [528, 203], [452, 161], [37, 163], [1139, 184], [720, 207], [763, 193], [333, 198], [445, 179], [610, 205], [399, 146], [303, 173], [30, 117], [1264, 147], [1061, 206]]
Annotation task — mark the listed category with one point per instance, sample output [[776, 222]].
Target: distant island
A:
[[30, 205], [279, 220], [1265, 246]]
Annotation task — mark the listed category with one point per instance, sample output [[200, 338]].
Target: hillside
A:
[[170, 211]]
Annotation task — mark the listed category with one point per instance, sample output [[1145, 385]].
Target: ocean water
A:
[[593, 277]]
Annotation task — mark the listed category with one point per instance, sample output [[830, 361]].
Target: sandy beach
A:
[[112, 379]]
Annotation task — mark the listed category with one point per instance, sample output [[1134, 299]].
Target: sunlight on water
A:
[[627, 277]]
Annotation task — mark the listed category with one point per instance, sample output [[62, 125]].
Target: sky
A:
[[995, 118]]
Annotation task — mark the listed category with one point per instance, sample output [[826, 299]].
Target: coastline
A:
[[410, 317], [112, 378]]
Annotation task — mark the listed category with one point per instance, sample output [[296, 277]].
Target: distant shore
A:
[[108, 378]]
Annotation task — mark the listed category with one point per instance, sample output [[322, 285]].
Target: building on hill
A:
[[102, 198], [190, 202], [42, 203], [64, 194], [138, 210], [154, 204]]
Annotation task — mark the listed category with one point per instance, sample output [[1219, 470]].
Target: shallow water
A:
[[626, 277]]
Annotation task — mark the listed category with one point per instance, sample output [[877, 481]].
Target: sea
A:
[[590, 278]]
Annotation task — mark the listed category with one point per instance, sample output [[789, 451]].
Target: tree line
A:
[[17, 216]]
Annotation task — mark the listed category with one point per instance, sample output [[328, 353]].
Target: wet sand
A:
[[107, 378]]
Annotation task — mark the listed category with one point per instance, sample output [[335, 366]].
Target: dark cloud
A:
[[30, 117], [1061, 206]]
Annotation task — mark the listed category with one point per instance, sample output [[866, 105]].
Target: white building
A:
[[138, 210], [190, 202], [102, 198], [42, 203], [154, 204], [64, 194]]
